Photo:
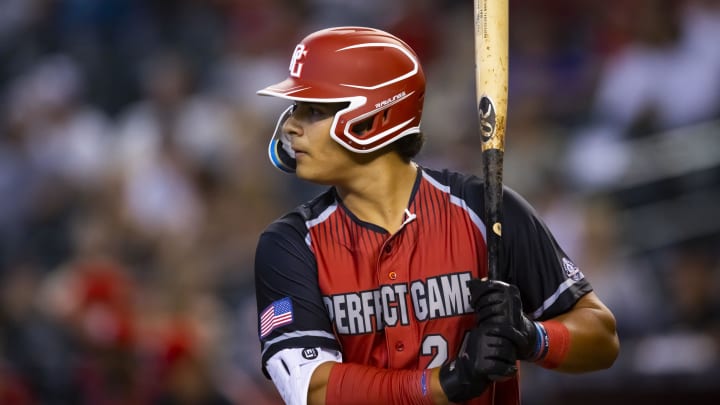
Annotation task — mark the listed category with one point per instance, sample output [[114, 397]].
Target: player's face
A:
[[319, 158]]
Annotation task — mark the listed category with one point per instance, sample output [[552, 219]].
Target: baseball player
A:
[[375, 292]]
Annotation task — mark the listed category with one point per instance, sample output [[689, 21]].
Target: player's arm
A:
[[487, 356], [317, 392], [559, 322], [581, 339], [592, 338]]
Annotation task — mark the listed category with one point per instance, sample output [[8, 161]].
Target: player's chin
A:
[[314, 174], [307, 171]]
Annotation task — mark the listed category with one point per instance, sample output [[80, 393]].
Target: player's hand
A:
[[487, 356], [498, 303]]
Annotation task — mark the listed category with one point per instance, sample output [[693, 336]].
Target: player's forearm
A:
[[318, 384], [593, 340], [369, 391], [438, 395]]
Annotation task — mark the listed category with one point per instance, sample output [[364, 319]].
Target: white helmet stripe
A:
[[389, 82]]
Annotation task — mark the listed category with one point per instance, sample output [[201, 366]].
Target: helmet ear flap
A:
[[364, 126], [371, 123]]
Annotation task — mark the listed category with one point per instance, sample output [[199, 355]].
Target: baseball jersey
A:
[[325, 278]]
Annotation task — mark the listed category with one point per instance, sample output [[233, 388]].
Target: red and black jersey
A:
[[324, 278]]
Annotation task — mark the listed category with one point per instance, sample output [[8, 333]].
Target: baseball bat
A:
[[491, 83]]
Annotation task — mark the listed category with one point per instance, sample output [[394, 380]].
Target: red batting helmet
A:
[[377, 73]]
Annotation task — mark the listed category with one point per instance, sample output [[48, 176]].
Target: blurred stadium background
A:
[[134, 182]]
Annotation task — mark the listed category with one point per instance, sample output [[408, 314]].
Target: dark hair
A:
[[409, 146]]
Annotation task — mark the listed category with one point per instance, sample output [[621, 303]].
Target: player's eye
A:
[[311, 112], [318, 112]]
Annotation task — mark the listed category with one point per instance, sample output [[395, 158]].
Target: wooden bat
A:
[[491, 81]]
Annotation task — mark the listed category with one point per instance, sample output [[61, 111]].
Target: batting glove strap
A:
[[542, 343], [457, 388]]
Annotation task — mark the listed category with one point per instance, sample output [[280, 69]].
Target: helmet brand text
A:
[[390, 100]]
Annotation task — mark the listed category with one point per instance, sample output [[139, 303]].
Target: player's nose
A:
[[292, 126]]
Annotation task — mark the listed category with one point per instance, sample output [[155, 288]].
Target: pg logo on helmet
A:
[[297, 60]]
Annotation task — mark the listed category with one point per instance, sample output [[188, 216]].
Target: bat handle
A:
[[492, 162]]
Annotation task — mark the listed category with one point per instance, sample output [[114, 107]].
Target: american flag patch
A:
[[277, 314]]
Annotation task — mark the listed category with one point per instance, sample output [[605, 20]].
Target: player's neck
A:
[[381, 196]]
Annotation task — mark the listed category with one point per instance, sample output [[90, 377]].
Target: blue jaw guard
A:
[[279, 151]]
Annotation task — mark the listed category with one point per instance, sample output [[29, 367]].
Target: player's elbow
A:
[[613, 355], [610, 342], [605, 343], [596, 345]]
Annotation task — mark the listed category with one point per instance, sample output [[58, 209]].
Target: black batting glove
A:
[[487, 356], [498, 303]]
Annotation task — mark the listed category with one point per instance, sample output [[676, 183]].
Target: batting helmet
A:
[[376, 73]]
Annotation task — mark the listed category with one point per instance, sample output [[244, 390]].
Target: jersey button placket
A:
[[387, 249], [399, 346]]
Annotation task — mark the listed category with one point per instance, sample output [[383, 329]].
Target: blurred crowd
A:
[[134, 179]]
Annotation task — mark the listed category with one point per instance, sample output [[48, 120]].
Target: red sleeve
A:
[[355, 384]]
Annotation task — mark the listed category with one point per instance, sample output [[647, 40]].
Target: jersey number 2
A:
[[437, 346]]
